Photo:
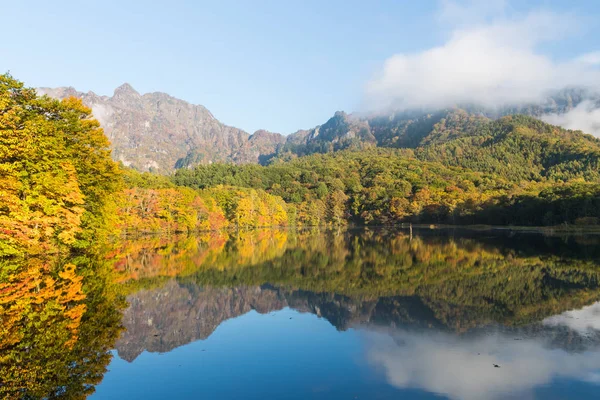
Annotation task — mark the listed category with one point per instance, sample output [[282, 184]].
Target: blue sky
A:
[[281, 65]]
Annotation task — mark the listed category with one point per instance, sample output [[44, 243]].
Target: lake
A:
[[357, 314]]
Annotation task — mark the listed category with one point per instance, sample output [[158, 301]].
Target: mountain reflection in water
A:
[[368, 314], [434, 313]]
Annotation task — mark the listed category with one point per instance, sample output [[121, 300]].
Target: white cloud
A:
[[463, 367], [584, 117], [103, 114], [592, 58], [582, 321], [494, 60]]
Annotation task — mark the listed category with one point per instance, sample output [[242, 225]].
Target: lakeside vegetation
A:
[[59, 316], [56, 174]]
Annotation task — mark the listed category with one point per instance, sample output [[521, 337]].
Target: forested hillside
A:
[[152, 204], [449, 167], [515, 147], [383, 186]]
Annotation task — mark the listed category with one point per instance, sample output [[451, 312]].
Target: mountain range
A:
[[157, 132]]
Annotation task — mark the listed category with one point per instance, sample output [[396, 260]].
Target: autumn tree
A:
[[56, 174]]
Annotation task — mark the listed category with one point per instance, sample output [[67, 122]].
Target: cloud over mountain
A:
[[585, 117], [491, 57]]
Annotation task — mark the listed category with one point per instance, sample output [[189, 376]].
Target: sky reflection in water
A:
[[430, 338]]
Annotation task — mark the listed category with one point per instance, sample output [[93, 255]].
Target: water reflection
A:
[[585, 321], [465, 367], [435, 312], [458, 282], [163, 319], [365, 314], [59, 319]]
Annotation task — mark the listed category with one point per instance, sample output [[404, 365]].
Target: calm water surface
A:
[[355, 315], [360, 315]]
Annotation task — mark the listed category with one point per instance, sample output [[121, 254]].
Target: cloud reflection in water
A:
[[462, 367]]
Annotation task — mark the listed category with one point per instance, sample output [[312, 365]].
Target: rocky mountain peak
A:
[[127, 97], [262, 134], [125, 89], [61, 92], [158, 132]]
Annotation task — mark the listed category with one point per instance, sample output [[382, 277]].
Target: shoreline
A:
[[546, 230]]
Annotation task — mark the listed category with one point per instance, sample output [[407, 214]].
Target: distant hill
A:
[[414, 128], [516, 147]]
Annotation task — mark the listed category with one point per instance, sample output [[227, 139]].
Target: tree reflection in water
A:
[[454, 282], [421, 303], [59, 319]]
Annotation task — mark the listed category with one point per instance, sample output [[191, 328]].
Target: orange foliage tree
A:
[[55, 172]]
